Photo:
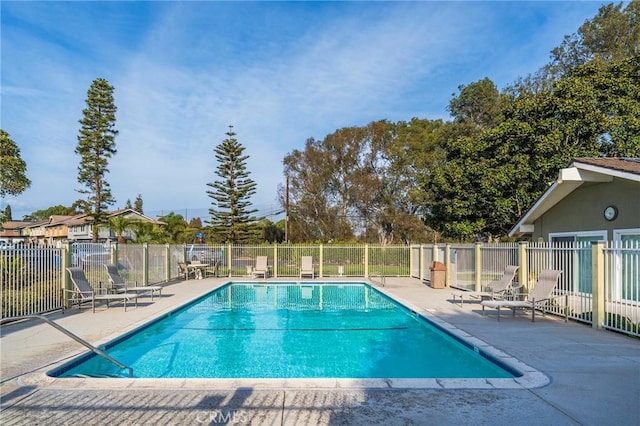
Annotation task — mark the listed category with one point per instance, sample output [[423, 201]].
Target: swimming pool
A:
[[291, 330]]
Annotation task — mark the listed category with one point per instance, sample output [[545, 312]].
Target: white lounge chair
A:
[[538, 296], [119, 285], [306, 266], [261, 267], [84, 292], [495, 289]]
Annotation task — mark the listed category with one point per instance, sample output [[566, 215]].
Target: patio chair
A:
[[261, 267], [537, 298], [119, 285], [186, 272], [212, 270], [497, 289], [306, 266], [84, 292]]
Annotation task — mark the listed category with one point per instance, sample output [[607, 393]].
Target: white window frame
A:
[[601, 235], [616, 285]]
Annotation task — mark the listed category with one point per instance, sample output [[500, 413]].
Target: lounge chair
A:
[[261, 267], [495, 289], [84, 292], [119, 285], [540, 295], [306, 266]]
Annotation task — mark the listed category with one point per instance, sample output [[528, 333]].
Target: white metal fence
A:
[[600, 283]]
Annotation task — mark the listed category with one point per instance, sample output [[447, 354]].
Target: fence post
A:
[[478, 266], [65, 262], [321, 260], [229, 258], [275, 260], [598, 289], [447, 262], [523, 264], [421, 263], [366, 260], [167, 262], [145, 264]]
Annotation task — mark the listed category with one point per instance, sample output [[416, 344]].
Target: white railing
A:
[[622, 272], [606, 295]]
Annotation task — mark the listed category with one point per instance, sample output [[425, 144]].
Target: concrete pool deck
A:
[[591, 377]]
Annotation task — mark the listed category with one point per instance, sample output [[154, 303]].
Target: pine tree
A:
[[137, 204], [231, 216], [96, 144], [6, 215]]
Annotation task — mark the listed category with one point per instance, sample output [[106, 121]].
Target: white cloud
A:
[[278, 72]]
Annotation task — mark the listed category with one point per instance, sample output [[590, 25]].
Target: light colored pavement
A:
[[593, 376]]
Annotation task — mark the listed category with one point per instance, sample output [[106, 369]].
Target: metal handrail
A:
[[73, 336], [383, 277]]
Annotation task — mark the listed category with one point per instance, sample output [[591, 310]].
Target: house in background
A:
[[80, 228], [593, 199], [60, 229], [11, 232]]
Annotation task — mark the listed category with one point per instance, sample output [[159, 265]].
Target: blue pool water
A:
[[290, 330]]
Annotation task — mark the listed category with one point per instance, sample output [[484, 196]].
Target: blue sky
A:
[[279, 72]]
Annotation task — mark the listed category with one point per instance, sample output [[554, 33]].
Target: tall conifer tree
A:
[[96, 145], [231, 214]]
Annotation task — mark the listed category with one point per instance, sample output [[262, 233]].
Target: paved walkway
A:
[[593, 376]]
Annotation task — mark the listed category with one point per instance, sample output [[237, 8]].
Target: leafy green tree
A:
[[411, 155], [612, 35], [312, 215], [487, 181], [128, 204], [361, 183], [271, 232], [333, 181], [96, 145], [120, 225], [478, 104], [58, 210], [13, 178], [232, 218], [176, 228]]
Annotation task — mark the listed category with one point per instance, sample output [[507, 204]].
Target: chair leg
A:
[[533, 310]]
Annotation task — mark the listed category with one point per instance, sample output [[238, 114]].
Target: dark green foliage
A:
[[96, 145], [51, 211], [137, 206], [13, 179], [6, 216], [231, 214]]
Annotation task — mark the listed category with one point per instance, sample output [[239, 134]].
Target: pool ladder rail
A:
[[78, 339], [383, 278]]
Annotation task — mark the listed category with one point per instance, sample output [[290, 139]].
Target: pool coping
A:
[[531, 378]]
